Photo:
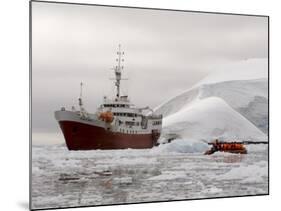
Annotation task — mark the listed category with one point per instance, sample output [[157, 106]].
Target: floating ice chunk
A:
[[123, 180], [169, 175], [248, 174], [212, 190], [183, 146]]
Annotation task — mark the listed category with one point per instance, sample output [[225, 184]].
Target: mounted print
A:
[[133, 105]]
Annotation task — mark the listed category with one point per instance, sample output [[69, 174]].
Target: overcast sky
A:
[[166, 52]]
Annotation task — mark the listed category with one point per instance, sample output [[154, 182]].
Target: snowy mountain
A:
[[225, 104]]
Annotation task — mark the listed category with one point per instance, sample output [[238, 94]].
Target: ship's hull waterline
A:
[[79, 135]]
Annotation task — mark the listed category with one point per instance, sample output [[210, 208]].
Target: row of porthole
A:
[[128, 131]]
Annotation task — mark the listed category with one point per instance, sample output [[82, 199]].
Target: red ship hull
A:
[[80, 136]]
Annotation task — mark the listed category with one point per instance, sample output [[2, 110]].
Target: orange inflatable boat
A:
[[232, 147]]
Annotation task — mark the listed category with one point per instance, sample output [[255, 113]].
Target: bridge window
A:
[[157, 123]]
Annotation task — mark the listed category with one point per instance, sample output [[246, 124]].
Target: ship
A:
[[116, 124]]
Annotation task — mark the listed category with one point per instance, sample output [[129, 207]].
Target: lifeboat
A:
[[231, 147], [106, 116]]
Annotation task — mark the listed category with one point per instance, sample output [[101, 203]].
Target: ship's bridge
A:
[[121, 102], [121, 107]]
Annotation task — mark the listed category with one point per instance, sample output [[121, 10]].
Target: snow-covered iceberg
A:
[[211, 118], [229, 105]]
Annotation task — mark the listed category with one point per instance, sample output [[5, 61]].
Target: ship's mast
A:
[[118, 69], [80, 97], [83, 112]]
